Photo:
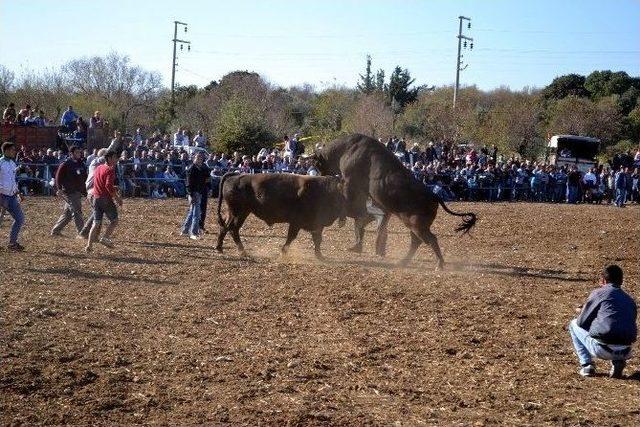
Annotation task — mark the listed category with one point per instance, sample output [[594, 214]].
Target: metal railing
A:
[[134, 181]]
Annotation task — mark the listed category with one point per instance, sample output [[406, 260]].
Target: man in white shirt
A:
[[138, 138], [178, 138], [590, 179], [10, 197], [200, 140]]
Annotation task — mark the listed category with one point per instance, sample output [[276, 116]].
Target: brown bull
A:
[[304, 202], [369, 169]]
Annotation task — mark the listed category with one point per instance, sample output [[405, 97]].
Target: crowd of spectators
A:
[[73, 128], [156, 166]]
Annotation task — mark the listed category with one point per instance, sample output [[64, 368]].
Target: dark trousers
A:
[[203, 207]]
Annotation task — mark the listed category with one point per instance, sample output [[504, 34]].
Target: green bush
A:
[[240, 127]]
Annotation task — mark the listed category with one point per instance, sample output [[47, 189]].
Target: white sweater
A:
[[8, 184]]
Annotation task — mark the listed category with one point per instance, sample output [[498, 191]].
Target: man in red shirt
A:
[[105, 192]]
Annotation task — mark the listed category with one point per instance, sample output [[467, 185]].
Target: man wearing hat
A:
[[606, 326]]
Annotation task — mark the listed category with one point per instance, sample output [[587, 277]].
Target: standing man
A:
[[105, 193], [68, 119], [10, 197], [606, 326], [573, 185], [197, 179], [70, 185], [620, 183]]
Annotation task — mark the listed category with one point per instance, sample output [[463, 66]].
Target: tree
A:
[[366, 84], [601, 84], [581, 116], [329, 110], [113, 84], [241, 127], [430, 118], [563, 86], [371, 116], [7, 78], [380, 86], [399, 88]]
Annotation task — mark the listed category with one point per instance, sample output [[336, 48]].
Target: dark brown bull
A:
[[304, 202], [369, 169]]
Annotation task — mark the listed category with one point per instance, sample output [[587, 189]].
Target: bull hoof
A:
[[356, 249], [440, 266], [219, 249], [320, 257], [381, 254], [244, 254]]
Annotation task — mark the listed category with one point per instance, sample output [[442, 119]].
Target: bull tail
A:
[[468, 221], [220, 196]]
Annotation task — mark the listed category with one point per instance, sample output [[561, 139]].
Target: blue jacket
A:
[[68, 117], [610, 316]]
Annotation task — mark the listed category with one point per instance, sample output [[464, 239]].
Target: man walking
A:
[[197, 178], [97, 161], [606, 326], [10, 197], [105, 193], [70, 184]]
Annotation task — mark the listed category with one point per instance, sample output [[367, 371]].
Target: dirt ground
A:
[[163, 330]]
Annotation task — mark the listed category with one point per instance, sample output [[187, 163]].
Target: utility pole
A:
[[459, 67], [176, 40]]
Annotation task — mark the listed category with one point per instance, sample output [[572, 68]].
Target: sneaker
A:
[[106, 242], [193, 237], [88, 249], [184, 233], [588, 371], [55, 233], [16, 247], [617, 366]]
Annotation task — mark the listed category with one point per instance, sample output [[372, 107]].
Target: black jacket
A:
[[610, 316], [197, 178], [71, 176]]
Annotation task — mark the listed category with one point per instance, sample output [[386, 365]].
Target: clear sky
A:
[[517, 43]]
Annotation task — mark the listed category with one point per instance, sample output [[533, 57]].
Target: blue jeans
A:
[[572, 194], [559, 194], [587, 347], [192, 221], [12, 205], [621, 196]]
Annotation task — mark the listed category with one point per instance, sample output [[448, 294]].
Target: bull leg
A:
[[381, 239], [235, 225], [221, 236], [291, 235], [428, 237], [359, 226], [317, 241], [224, 229], [420, 232], [415, 242]]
